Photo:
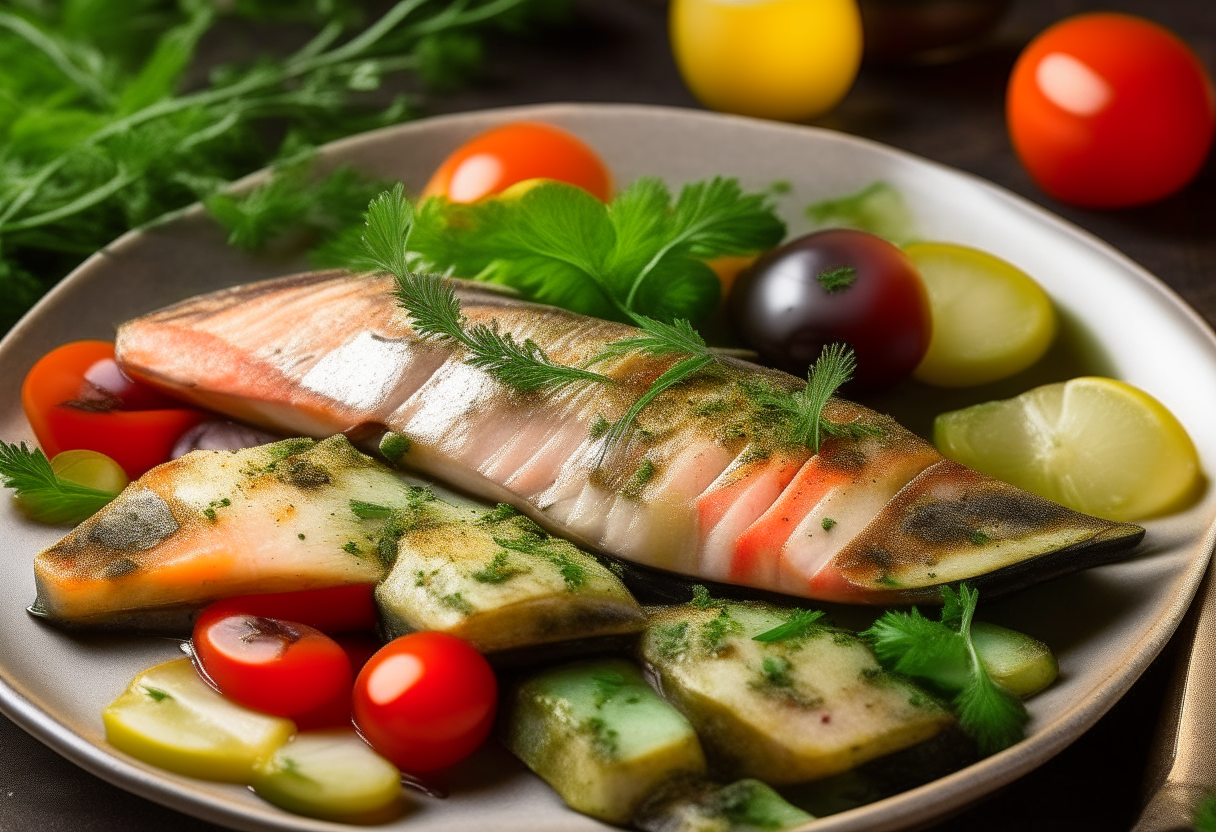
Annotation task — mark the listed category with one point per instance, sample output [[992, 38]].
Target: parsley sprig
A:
[[434, 310], [943, 654], [46, 497], [396, 239], [642, 254]]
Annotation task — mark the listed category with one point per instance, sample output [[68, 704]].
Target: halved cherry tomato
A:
[[76, 397], [339, 609], [1110, 110], [273, 666], [495, 160], [336, 713], [425, 701]]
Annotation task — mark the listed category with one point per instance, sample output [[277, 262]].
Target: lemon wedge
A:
[[990, 319], [1093, 444]]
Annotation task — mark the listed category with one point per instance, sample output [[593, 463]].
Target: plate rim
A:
[[907, 809]]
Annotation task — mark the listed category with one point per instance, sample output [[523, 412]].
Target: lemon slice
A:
[[1096, 445], [990, 319]]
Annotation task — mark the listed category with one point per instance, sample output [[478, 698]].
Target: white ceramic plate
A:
[[1106, 624]]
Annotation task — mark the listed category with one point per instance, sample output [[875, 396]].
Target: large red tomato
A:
[[1110, 110], [493, 161]]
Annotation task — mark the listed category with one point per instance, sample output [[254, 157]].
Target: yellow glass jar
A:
[[790, 60]]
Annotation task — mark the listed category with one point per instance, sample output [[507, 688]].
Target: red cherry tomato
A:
[[837, 285], [336, 712], [1110, 110], [339, 609], [273, 666], [490, 163], [76, 397], [425, 701]]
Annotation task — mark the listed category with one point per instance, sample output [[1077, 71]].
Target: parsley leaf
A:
[[45, 496], [945, 656], [558, 244], [801, 624]]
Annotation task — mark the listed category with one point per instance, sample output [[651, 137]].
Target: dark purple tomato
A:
[[836, 285]]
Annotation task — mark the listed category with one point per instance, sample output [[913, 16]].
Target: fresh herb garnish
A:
[[837, 280], [497, 571], [828, 524], [803, 409], [801, 624], [98, 138], [558, 244], [943, 653], [157, 694], [435, 311], [45, 496], [369, 511]]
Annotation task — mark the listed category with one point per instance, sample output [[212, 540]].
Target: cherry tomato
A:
[[836, 285], [273, 666], [339, 609], [1110, 110], [425, 701], [783, 59], [495, 160], [76, 397], [336, 713]]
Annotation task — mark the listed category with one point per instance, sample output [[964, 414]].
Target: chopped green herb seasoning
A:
[[457, 602], [801, 624], [157, 694], [497, 571], [671, 640], [394, 446], [351, 547], [979, 538], [827, 524]]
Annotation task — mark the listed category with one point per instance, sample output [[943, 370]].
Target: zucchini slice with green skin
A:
[[496, 580], [785, 710], [1019, 663], [701, 806], [332, 775], [171, 718], [598, 734]]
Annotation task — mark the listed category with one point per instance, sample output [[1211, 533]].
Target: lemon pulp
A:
[[1093, 444]]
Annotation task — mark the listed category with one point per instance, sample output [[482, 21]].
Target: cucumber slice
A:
[[171, 718], [332, 775], [699, 806], [496, 580], [787, 710], [599, 735], [1020, 664]]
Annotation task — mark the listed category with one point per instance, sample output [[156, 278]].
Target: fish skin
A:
[[326, 352]]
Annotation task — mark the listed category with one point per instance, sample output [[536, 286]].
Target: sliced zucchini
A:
[[332, 775], [171, 718], [1019, 663], [496, 580], [701, 806], [808, 702], [599, 735]]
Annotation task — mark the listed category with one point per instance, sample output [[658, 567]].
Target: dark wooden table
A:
[[616, 50]]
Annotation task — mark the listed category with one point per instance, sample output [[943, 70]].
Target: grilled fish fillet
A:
[[706, 487]]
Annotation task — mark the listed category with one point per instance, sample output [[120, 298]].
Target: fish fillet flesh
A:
[[707, 486]]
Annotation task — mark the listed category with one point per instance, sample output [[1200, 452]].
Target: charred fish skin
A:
[[708, 486], [214, 524]]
